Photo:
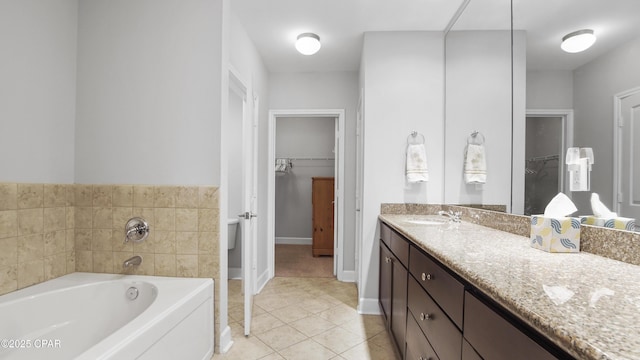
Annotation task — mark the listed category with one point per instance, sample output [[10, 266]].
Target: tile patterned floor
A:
[[307, 319]]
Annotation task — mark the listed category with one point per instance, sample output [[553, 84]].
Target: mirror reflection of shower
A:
[[543, 179]]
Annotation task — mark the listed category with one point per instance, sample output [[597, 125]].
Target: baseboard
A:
[[235, 273], [225, 340], [262, 281], [293, 241], [368, 307], [348, 276]]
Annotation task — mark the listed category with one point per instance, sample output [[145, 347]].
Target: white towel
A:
[[417, 170], [282, 165], [475, 165]]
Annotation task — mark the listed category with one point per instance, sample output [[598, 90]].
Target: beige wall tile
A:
[[165, 219], [208, 197], [148, 245], [102, 195], [206, 266], [164, 196], [187, 219], [187, 265], [8, 196], [148, 264], [30, 196], [8, 223], [70, 240], [119, 257], [30, 248], [143, 196], [31, 272], [117, 241], [84, 195], [55, 218], [55, 266], [84, 260], [102, 240], [71, 261], [103, 261], [186, 242], [8, 251], [71, 194], [83, 239], [165, 264], [147, 214], [207, 219], [122, 195], [83, 217], [165, 242], [187, 197], [55, 242], [120, 217], [55, 195], [70, 215], [30, 221], [102, 218], [8, 279], [206, 242]]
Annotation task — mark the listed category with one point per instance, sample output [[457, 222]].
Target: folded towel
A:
[[475, 165], [282, 165], [417, 164]]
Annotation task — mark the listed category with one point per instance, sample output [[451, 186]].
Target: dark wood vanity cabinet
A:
[[394, 254], [433, 314]]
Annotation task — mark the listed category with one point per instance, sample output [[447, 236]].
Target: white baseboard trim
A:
[[235, 273], [369, 307], [262, 280], [225, 340], [293, 241], [348, 276]]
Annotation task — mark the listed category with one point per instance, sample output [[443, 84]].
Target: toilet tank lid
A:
[[232, 221]]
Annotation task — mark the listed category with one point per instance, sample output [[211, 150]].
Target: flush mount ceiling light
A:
[[578, 41], [308, 43]]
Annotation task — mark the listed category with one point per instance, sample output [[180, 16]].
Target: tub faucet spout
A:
[[133, 261]]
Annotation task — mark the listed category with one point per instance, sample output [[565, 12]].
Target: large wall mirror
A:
[[559, 99]]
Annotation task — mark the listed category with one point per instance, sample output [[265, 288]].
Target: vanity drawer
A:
[[446, 290], [495, 338], [418, 346], [400, 248], [444, 336], [468, 353]]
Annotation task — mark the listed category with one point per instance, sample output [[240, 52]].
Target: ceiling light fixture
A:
[[578, 41], [308, 43]]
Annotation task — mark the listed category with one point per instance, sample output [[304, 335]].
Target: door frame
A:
[[617, 144], [339, 114], [566, 139]]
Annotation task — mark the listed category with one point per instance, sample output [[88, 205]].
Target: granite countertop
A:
[[586, 304]]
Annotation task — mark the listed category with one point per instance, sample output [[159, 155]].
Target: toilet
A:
[[232, 227]]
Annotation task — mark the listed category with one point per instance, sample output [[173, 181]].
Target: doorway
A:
[[548, 134], [626, 191], [336, 161]]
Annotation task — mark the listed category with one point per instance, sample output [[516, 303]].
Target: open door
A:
[[628, 169]]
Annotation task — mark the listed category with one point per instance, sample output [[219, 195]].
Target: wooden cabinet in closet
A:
[[322, 204]]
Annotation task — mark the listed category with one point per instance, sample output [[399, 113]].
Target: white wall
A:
[[307, 137], [402, 75], [149, 100], [478, 90], [594, 86], [549, 89], [334, 90], [37, 90]]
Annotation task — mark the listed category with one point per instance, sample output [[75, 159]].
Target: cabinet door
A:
[[386, 267], [399, 304]]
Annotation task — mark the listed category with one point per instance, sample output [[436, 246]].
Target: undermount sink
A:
[[426, 222]]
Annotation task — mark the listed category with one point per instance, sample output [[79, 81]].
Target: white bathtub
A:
[[89, 316]]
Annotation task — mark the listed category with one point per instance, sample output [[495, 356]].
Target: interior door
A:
[[359, 146], [629, 167]]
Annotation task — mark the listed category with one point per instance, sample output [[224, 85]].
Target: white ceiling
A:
[[274, 24]]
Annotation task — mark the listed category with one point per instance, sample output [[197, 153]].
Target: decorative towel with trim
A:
[[417, 170], [475, 165]]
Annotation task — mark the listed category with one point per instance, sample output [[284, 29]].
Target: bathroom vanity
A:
[[465, 291]]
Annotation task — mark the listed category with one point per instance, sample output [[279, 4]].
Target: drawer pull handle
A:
[[424, 316], [424, 358], [426, 277], [387, 259]]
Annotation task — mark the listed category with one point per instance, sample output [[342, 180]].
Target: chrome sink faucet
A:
[[453, 216]]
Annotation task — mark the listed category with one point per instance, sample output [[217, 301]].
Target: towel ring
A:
[[476, 138], [413, 138]]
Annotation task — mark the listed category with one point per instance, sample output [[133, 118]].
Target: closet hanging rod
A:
[[310, 158], [544, 158]]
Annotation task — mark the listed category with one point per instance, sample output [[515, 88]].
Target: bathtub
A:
[[105, 316]]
